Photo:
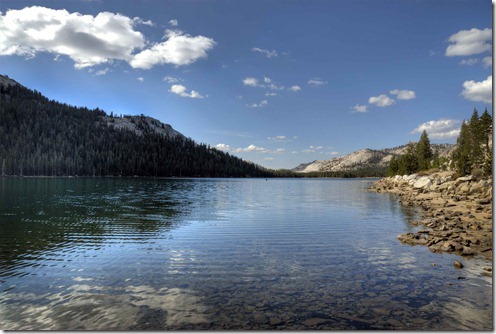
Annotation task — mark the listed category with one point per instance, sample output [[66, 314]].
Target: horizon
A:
[[309, 80]]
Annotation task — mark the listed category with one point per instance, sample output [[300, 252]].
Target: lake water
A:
[[123, 254]]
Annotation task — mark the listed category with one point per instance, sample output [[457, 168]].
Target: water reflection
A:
[[92, 307], [38, 216], [223, 254]]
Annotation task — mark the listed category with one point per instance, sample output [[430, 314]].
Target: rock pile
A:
[[456, 215]]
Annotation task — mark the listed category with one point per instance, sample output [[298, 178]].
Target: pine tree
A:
[[393, 167], [462, 155], [424, 152]]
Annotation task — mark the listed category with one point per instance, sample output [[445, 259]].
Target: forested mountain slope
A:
[[39, 136]]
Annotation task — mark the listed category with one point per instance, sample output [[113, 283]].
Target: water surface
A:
[[122, 254]]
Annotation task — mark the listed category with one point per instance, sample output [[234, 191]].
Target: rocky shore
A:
[[456, 215]]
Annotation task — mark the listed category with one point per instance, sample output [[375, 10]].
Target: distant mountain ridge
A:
[[364, 158]]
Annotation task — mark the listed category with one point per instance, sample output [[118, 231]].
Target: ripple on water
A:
[[224, 254]]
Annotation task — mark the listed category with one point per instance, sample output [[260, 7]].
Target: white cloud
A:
[[360, 108], [270, 94], [469, 42], [294, 88], [334, 153], [440, 129], [487, 61], [102, 72], [261, 104], [141, 79], [478, 91], [170, 79], [469, 61], [403, 94], [179, 49], [281, 138], [249, 149], [138, 20], [381, 100], [87, 40], [312, 149], [223, 147], [315, 82], [275, 87], [181, 91], [173, 23], [267, 53], [253, 82], [250, 81], [252, 148], [93, 40]]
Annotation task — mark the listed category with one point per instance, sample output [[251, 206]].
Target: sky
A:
[[274, 82]]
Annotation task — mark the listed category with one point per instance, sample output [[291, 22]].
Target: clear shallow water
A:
[[116, 254]]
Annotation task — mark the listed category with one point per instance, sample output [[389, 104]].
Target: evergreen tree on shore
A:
[[473, 151]]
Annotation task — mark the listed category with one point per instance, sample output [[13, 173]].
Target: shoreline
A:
[[456, 214]]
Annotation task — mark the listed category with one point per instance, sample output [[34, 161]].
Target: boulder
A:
[[422, 182]]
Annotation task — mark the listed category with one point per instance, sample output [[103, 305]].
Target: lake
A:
[[165, 254]]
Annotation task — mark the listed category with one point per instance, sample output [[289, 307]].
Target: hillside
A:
[[41, 137], [365, 158]]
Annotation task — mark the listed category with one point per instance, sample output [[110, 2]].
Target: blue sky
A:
[[275, 82]]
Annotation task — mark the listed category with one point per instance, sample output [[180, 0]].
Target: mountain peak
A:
[[6, 81]]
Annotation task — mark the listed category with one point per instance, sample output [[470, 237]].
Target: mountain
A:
[[42, 137], [364, 159]]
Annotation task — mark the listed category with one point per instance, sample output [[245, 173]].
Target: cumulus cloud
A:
[[315, 82], [141, 79], [261, 104], [478, 91], [278, 138], [270, 94], [312, 149], [252, 82], [469, 42], [170, 79], [267, 53], [182, 91], [223, 147], [93, 40], [267, 83], [179, 49], [138, 20], [487, 61], [469, 61], [403, 94], [249, 149], [87, 40], [360, 108], [102, 72], [294, 88], [440, 129], [381, 100], [173, 23]]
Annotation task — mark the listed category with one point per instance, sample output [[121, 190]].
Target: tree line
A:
[[44, 137], [472, 155]]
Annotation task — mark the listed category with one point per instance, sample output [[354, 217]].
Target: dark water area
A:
[[165, 254]]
